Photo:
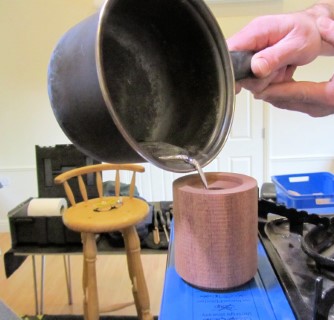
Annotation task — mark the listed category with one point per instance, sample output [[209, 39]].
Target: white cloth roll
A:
[[47, 207]]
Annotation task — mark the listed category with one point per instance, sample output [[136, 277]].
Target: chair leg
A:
[[91, 303], [139, 287], [84, 278]]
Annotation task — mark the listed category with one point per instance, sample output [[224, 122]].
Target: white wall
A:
[[29, 30], [297, 143]]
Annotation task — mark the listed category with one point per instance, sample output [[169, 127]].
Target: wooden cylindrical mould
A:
[[215, 229]]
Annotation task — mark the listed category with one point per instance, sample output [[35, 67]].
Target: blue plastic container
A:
[[308, 191]]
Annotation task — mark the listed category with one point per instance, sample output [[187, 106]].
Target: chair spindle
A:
[[117, 184], [82, 188], [99, 184], [132, 185], [69, 193]]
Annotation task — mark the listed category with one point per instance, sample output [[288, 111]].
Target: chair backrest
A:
[[97, 169]]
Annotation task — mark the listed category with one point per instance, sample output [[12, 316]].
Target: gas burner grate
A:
[[292, 241], [318, 244]]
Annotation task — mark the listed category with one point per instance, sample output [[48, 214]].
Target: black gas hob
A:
[[300, 248]]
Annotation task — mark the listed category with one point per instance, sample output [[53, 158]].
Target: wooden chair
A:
[[107, 214]]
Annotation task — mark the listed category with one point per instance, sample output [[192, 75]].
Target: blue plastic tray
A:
[[308, 191]]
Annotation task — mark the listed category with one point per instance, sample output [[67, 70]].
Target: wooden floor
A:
[[113, 283]]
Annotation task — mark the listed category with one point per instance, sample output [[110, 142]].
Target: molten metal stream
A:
[[192, 162]]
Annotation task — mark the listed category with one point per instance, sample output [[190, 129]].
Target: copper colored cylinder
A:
[[216, 229]]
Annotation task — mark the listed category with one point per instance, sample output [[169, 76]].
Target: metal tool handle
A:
[[241, 61], [156, 234], [163, 223]]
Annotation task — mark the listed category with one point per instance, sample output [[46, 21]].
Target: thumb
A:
[[261, 67], [326, 29], [281, 54], [271, 59]]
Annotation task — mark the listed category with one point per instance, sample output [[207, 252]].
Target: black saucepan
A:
[[145, 78]]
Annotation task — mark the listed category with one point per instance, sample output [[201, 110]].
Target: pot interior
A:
[[165, 75]]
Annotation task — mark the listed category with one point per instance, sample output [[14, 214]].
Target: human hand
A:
[[282, 43]]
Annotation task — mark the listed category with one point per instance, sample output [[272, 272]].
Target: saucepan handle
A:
[[241, 61]]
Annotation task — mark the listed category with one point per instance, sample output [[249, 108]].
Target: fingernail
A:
[[260, 67]]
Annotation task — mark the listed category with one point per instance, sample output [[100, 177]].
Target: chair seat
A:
[[103, 215]]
